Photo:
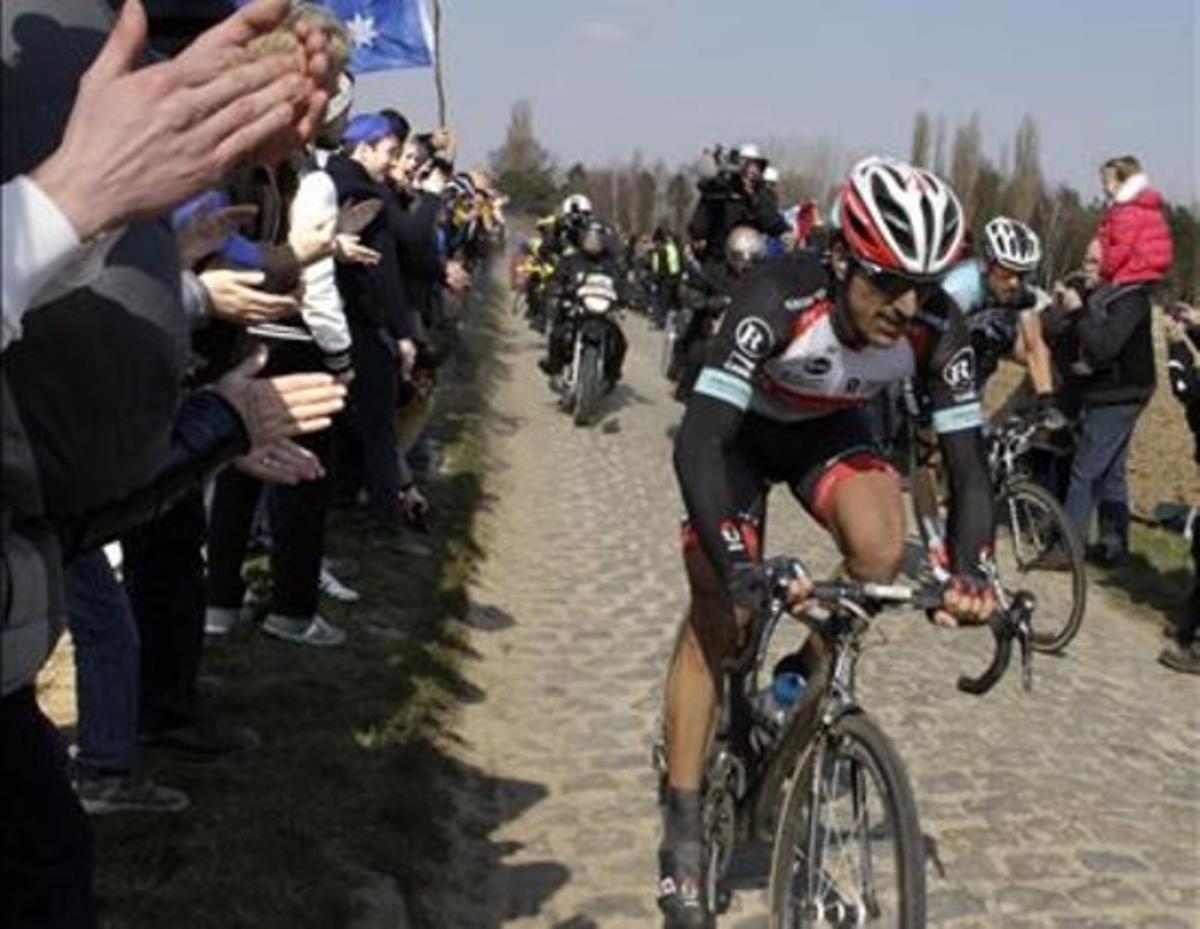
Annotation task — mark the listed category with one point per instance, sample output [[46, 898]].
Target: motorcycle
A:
[[596, 340]]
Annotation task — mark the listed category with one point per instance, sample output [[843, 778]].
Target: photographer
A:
[[736, 196], [1183, 339]]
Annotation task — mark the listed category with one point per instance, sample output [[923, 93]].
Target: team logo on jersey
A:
[[959, 371], [753, 337]]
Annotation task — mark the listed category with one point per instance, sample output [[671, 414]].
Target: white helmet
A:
[[900, 218], [1012, 244], [576, 203], [745, 246], [748, 151]]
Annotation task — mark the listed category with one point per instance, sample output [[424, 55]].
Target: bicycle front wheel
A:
[[848, 846], [1038, 550]]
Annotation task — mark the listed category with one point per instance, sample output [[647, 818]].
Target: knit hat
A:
[[340, 102], [366, 128]]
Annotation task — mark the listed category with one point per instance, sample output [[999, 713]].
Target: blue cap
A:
[[367, 128]]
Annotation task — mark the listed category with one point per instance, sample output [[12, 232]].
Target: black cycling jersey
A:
[[784, 353]]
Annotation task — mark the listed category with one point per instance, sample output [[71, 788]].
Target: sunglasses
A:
[[894, 285]]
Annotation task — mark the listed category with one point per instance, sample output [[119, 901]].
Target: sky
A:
[[669, 77]]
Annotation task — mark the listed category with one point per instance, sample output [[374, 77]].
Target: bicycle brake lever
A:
[[1025, 638]]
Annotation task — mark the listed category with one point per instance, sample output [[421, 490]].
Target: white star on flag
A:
[[362, 30]]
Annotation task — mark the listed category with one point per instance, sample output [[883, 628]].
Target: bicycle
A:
[[781, 780], [1034, 541]]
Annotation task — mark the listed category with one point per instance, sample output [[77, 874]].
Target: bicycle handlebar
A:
[[1006, 624]]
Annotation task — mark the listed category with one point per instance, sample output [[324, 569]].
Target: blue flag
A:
[[386, 34]]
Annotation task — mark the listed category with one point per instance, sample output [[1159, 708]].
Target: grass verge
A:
[[349, 783], [1156, 578]]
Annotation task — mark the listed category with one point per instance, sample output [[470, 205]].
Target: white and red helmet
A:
[[900, 218]]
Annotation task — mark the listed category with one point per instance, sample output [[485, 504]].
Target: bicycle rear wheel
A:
[[1038, 550], [848, 847]]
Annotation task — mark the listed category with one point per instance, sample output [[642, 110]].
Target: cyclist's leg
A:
[[708, 633], [853, 490]]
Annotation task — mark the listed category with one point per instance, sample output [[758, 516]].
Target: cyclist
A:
[[797, 355], [1003, 309]]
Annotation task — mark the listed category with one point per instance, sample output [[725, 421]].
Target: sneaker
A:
[[332, 587], [221, 620], [100, 795], [313, 631], [1177, 657], [204, 739]]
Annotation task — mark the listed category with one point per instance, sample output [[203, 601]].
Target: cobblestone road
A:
[[1076, 807]]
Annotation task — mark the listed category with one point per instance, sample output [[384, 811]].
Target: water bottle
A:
[[778, 700], [787, 690]]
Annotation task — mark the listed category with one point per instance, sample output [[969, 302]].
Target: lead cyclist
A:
[[780, 400]]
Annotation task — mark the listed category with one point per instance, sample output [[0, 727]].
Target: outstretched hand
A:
[[140, 139], [280, 407]]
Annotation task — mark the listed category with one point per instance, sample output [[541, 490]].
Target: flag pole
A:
[[437, 62]]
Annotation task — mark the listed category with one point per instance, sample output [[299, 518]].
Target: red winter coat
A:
[[1134, 236]]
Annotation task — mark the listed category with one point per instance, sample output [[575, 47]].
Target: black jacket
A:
[[1185, 382], [372, 294], [1116, 341], [413, 219], [726, 206]]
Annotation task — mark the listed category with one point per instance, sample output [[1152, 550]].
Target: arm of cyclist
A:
[[950, 379], [1032, 351], [753, 329]]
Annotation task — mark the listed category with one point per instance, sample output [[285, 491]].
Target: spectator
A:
[[1183, 339], [298, 214], [1116, 363], [383, 329], [96, 439]]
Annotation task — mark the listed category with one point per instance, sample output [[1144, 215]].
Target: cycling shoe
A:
[[680, 890]]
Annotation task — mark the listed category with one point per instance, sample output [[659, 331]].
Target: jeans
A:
[[106, 665], [45, 837], [164, 577], [1098, 468]]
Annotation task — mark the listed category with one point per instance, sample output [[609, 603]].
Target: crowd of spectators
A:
[[223, 289]]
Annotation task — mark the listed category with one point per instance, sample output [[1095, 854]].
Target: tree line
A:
[[639, 194]]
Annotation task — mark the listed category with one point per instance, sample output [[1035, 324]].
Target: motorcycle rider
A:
[[595, 254], [729, 200]]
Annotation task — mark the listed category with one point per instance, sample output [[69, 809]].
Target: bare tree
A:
[[922, 139], [939, 147], [966, 156], [1024, 188]]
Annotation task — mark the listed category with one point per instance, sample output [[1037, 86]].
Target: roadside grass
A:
[[350, 782], [1157, 578]]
